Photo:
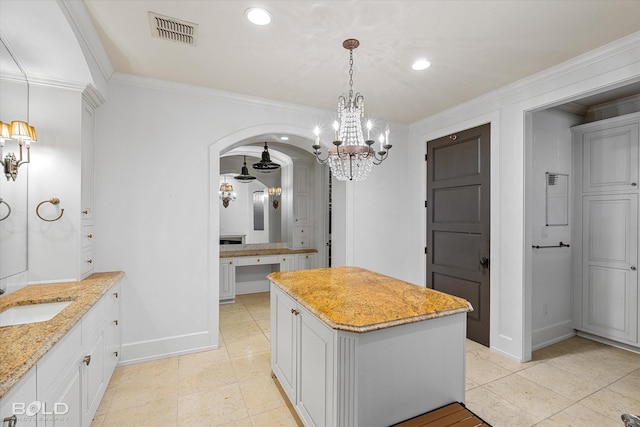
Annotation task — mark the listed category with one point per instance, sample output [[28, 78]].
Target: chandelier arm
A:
[[321, 161]]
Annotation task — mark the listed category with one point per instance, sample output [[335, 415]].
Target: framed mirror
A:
[[14, 105]]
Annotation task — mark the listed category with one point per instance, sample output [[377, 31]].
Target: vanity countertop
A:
[[264, 252], [357, 300], [24, 345]]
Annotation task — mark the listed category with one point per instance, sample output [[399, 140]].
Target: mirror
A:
[[14, 105], [251, 217]]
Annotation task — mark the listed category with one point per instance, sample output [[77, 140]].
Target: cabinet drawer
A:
[[87, 236], [301, 232], [113, 296], [86, 262], [60, 358], [258, 260], [301, 243]]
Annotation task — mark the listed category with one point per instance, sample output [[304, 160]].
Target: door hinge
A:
[[425, 249], [425, 157], [425, 203]]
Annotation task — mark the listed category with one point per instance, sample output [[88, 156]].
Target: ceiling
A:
[[474, 46]]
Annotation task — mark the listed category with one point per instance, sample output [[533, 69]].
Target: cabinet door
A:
[[227, 279], [283, 333], [610, 159], [315, 370], [93, 385], [18, 402], [288, 263], [609, 266], [87, 165], [112, 335], [301, 193], [306, 261], [64, 410]]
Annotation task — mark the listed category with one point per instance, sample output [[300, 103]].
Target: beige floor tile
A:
[[265, 325], [473, 346], [529, 396], [280, 417], [215, 406], [196, 378], [245, 422], [250, 345], [568, 385], [469, 385], [583, 365], [502, 361], [97, 421], [261, 395], [209, 356], [579, 416], [139, 394], [628, 385], [497, 411], [252, 366], [161, 367], [161, 412], [481, 371], [236, 331], [236, 317], [612, 404], [258, 313]]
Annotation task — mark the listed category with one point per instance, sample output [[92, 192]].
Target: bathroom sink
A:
[[31, 313]]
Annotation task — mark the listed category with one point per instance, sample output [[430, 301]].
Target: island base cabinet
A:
[[371, 379], [14, 405]]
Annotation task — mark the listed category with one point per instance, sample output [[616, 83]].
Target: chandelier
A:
[[226, 193], [244, 173], [352, 157], [265, 164]]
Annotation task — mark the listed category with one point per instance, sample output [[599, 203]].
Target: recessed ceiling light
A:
[[284, 138], [258, 15], [421, 64]]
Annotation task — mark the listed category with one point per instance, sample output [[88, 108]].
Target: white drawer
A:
[[93, 320], [257, 260], [301, 243], [86, 262], [112, 296], [87, 236], [301, 232]]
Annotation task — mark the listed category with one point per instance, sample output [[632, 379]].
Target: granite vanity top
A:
[[264, 252], [358, 300], [24, 345]]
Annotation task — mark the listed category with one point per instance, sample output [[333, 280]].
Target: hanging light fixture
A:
[[265, 164], [25, 134], [352, 157], [226, 193], [244, 174]]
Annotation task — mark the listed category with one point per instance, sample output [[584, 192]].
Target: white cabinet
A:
[[307, 261], [17, 403], [87, 256], [302, 359], [227, 279], [288, 263], [68, 383], [605, 232]]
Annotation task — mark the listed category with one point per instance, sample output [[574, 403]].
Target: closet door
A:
[[609, 257]]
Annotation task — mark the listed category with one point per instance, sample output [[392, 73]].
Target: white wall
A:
[[551, 267], [159, 210], [511, 274]]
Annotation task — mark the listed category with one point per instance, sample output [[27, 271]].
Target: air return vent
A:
[[167, 28]]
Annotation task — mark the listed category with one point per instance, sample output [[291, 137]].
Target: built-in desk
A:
[[245, 271]]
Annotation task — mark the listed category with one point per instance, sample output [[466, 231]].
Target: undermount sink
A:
[[31, 313]]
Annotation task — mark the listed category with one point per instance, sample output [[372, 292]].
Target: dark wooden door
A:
[[458, 221]]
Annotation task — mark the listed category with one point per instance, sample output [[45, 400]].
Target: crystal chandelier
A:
[[226, 193], [352, 157]]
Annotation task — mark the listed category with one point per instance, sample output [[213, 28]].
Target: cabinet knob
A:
[[294, 312], [85, 212], [87, 360], [633, 184], [115, 294], [115, 353], [633, 268], [89, 236], [258, 259], [90, 261], [11, 421], [116, 322]]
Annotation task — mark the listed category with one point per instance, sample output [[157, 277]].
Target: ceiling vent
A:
[[167, 28]]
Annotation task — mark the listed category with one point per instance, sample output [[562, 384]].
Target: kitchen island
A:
[[351, 347]]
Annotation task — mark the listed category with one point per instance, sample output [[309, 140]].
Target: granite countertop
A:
[[264, 252], [24, 345], [357, 300]]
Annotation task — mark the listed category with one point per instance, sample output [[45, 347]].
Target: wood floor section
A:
[[454, 415]]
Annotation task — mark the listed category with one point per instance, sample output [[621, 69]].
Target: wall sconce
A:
[[274, 196], [226, 193], [25, 135]]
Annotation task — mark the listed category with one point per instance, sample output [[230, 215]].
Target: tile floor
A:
[[573, 383]]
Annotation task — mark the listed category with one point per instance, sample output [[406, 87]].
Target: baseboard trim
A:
[[552, 334], [608, 341], [145, 351]]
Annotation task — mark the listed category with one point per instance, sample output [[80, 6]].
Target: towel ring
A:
[[53, 201], [8, 207]]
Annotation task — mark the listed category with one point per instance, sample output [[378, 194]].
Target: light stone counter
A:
[[22, 346], [358, 300], [264, 252]]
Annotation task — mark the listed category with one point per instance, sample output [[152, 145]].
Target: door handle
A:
[[484, 262], [633, 268]]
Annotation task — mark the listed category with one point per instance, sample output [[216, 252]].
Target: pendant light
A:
[[244, 174], [265, 164]]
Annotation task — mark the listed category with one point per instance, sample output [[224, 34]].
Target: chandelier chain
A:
[[350, 74]]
